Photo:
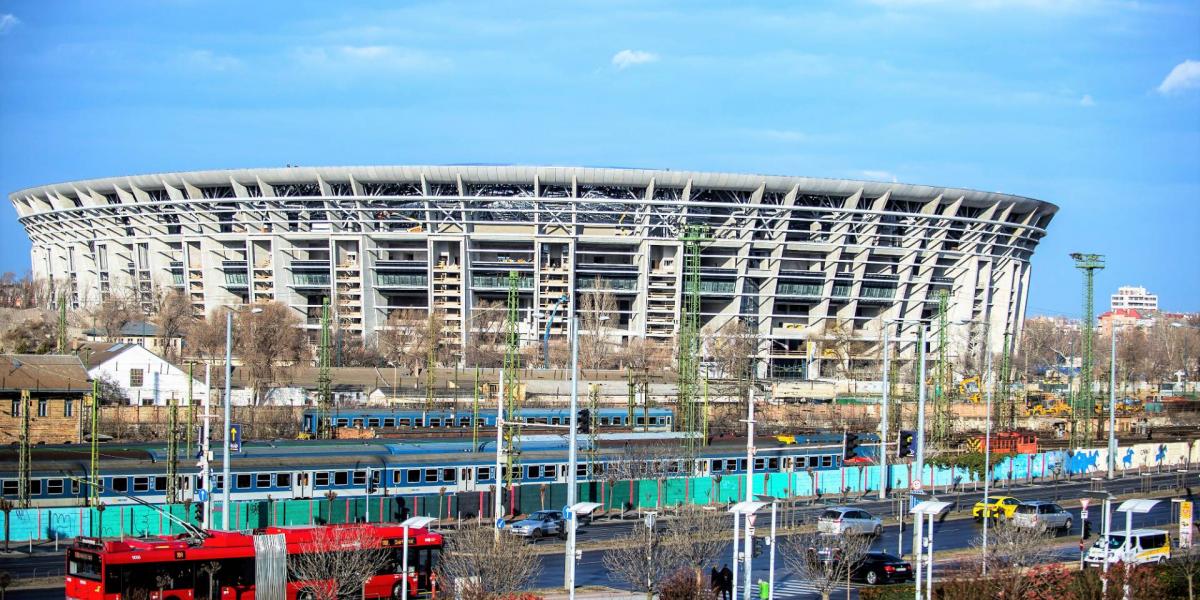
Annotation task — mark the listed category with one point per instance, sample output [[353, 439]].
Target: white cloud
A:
[[879, 175], [377, 57], [1087, 101], [1185, 76], [7, 22], [628, 58], [209, 60]]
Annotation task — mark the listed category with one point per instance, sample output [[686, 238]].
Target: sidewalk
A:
[[592, 593]]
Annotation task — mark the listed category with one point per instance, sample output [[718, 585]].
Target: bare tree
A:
[[635, 560], [267, 340], [694, 538], [23, 292], [478, 567], [825, 561], [647, 355], [114, 313], [487, 334], [409, 337], [1012, 550], [353, 351], [1185, 562], [173, 315], [206, 337], [597, 315], [342, 558]]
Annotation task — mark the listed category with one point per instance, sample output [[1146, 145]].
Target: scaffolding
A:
[[512, 396], [1083, 409], [324, 383], [688, 354], [942, 425]]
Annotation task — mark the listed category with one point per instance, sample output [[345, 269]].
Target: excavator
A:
[[970, 389]]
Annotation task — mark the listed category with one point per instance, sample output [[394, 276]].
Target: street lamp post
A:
[[987, 455], [414, 523], [572, 458], [883, 422], [771, 542], [742, 510], [750, 451], [225, 483], [1112, 405]]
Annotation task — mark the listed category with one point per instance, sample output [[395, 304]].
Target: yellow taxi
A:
[[998, 506]]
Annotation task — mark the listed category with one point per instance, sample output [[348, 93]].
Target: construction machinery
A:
[[970, 389]]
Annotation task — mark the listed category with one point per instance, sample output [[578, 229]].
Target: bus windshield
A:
[[84, 565]]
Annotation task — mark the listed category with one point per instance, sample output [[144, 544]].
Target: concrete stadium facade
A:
[[808, 262]]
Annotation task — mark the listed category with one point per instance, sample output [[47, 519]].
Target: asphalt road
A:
[[951, 534]]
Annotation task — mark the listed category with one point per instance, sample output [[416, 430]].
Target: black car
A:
[[881, 567]]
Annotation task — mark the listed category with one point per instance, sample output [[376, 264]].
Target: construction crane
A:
[[688, 354], [324, 383], [1083, 410], [512, 396]]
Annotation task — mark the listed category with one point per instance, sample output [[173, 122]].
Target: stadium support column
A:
[[688, 358], [1083, 410], [324, 388], [511, 382]]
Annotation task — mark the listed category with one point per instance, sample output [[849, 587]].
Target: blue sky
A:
[[1091, 104]]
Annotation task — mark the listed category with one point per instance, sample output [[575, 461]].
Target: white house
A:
[[146, 378]]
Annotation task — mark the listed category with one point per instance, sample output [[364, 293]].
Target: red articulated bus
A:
[[178, 568]]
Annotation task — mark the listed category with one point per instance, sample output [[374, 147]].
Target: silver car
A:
[[539, 524], [1042, 515], [850, 521]]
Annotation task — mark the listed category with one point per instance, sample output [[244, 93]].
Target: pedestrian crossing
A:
[[797, 589]]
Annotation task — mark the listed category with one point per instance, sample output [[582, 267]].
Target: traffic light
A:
[[757, 547], [200, 513], [907, 439], [583, 421], [850, 447]]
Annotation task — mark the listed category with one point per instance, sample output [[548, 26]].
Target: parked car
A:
[[1144, 546], [997, 507], [881, 567], [850, 521], [1042, 515], [539, 524]]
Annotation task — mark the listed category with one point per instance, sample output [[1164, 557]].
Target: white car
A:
[[850, 521], [1045, 516]]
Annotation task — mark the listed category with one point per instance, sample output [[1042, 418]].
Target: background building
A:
[[1135, 298], [145, 378], [814, 266], [57, 389]]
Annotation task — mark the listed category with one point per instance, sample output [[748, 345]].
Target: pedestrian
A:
[[726, 583], [714, 580]]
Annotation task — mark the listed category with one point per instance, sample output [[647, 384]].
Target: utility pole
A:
[[750, 452], [688, 353], [497, 497], [572, 460], [883, 421], [941, 384], [206, 448], [919, 467], [1084, 409], [226, 484], [25, 459], [511, 387], [1112, 405], [94, 467], [172, 449]]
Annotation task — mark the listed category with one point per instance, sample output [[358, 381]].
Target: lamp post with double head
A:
[[226, 485]]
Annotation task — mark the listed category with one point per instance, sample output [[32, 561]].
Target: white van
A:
[[1145, 546]]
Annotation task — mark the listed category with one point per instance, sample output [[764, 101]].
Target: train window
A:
[[414, 476], [373, 422], [483, 473], [741, 464], [242, 482], [360, 478], [466, 474], [341, 477], [714, 466], [141, 484], [9, 487], [773, 464], [581, 470], [218, 482], [731, 465], [641, 420], [343, 422], [435, 422], [389, 422], [321, 479], [74, 487], [35, 487], [533, 471], [481, 422], [405, 422], [358, 422], [554, 421], [54, 487], [431, 475], [827, 461], [760, 464], [160, 484], [283, 480], [448, 475], [262, 480]]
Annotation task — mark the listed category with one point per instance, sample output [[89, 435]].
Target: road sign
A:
[[202, 495], [1185, 524], [500, 523], [915, 485], [1083, 514], [235, 438], [750, 531], [750, 520], [1083, 504], [566, 513]]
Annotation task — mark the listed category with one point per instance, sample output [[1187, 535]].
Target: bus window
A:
[[83, 564]]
